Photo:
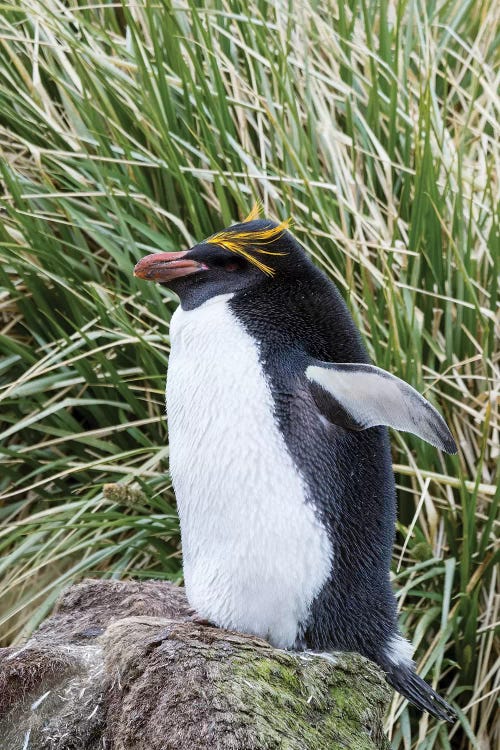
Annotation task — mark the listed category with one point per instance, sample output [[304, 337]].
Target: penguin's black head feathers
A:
[[242, 256], [257, 241]]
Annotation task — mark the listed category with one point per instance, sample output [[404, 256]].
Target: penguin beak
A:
[[164, 267]]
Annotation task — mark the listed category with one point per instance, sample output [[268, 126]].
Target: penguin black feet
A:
[[419, 693]]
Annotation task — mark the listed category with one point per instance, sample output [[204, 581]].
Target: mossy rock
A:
[[120, 665]]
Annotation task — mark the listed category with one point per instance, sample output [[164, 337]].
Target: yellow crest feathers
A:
[[241, 241], [254, 213]]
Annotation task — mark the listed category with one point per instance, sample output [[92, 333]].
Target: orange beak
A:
[[164, 267]]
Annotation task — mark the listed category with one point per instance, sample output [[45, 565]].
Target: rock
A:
[[120, 666]]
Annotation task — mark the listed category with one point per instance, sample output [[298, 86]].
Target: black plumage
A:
[[299, 319]]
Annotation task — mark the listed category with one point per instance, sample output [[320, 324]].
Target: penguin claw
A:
[[197, 619]]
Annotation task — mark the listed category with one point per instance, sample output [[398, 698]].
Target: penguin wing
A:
[[358, 396]]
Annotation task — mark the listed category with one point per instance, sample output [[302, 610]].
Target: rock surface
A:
[[120, 666]]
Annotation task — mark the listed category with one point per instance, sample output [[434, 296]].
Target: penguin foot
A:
[[199, 620]]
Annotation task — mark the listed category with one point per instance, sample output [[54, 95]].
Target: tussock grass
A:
[[132, 127]]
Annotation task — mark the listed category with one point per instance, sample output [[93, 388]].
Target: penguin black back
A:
[[349, 473]]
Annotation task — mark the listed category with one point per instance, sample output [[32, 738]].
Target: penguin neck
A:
[[218, 299], [303, 314]]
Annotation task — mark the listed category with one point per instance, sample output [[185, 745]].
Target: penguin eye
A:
[[221, 259], [227, 264], [233, 265]]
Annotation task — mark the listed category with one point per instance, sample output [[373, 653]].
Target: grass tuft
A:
[[132, 127]]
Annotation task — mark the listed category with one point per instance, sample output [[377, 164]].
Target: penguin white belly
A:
[[254, 553]]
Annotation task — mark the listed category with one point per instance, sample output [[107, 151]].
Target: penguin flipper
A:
[[358, 396]]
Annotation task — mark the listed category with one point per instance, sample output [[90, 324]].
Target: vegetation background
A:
[[130, 127]]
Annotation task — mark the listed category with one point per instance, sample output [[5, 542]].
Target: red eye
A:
[[234, 266]]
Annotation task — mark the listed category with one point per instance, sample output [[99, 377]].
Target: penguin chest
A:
[[255, 555]]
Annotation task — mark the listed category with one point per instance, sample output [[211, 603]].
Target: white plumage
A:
[[255, 555], [399, 650]]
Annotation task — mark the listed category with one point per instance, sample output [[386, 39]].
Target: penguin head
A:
[[237, 259]]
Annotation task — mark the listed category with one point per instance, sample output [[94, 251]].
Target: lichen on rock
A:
[[120, 665]]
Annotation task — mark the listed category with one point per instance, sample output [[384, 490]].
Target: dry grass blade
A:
[[127, 128]]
